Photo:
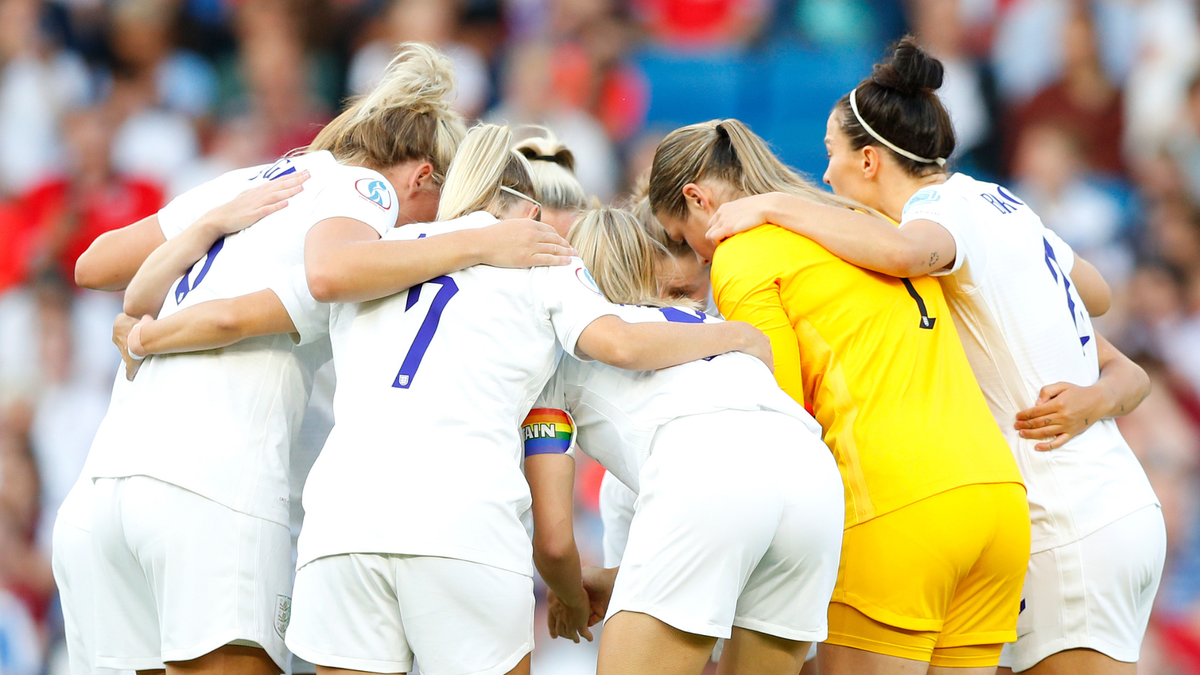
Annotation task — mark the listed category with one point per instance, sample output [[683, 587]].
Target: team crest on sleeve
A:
[[585, 278], [375, 191], [924, 196], [547, 431]]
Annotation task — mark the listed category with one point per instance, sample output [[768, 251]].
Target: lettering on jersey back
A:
[[1003, 200]]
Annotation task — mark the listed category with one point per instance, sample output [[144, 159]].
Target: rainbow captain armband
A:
[[548, 431]]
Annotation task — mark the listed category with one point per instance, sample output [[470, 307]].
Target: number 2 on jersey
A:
[[412, 360]]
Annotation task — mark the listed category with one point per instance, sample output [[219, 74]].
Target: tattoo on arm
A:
[[933, 258]]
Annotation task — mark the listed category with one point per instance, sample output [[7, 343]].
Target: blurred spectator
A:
[[1052, 178], [38, 85], [1083, 98], [1184, 143], [532, 98], [150, 141], [143, 43], [1168, 55], [236, 143], [1028, 53], [968, 89], [431, 21], [702, 24], [62, 216]]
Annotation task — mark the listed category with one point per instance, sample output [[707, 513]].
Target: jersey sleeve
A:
[[187, 208], [359, 194], [311, 318], [1064, 255], [952, 213], [746, 288], [572, 301], [549, 428], [617, 503]]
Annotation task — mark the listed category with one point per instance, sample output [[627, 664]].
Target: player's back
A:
[[617, 412], [1024, 326], [219, 422], [432, 385], [879, 361]]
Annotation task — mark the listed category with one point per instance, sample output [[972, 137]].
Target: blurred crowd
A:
[[1088, 109]]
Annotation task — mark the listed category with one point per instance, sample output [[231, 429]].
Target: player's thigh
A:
[[220, 577], [843, 660], [750, 652], [982, 615], [1074, 661], [443, 599], [634, 643], [227, 660], [125, 618], [346, 615], [1093, 595]]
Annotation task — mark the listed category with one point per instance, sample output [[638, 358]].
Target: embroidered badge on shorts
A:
[[547, 431], [283, 614]]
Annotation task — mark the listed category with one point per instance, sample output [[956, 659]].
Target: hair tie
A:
[[544, 158], [940, 161]]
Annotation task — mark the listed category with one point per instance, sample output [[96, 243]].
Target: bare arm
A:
[[345, 260], [149, 287], [1065, 410], [1092, 287], [650, 346], [114, 257], [918, 248], [551, 483]]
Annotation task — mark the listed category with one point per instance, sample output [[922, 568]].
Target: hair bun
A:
[[909, 70]]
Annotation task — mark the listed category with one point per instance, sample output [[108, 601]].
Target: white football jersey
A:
[[617, 412], [432, 385], [1024, 326], [76, 508], [220, 422]]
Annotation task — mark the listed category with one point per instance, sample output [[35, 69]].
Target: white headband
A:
[[940, 161]]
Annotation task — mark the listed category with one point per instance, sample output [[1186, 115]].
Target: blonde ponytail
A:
[[485, 162], [554, 172], [407, 117], [728, 152]]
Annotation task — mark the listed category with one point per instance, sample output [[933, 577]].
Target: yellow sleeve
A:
[[746, 288]]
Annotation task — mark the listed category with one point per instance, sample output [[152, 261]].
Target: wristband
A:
[[134, 338]]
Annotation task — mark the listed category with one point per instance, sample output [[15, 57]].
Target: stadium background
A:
[[1090, 111]]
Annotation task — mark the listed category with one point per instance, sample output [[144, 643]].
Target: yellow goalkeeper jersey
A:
[[876, 359]]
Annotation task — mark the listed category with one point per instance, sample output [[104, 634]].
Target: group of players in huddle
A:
[[932, 480]]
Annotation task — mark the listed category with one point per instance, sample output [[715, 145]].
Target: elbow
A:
[[88, 273], [554, 551], [619, 350], [1101, 302], [323, 286], [904, 261]]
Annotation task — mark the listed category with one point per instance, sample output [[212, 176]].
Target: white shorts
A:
[[1095, 593], [738, 523], [373, 612], [178, 576]]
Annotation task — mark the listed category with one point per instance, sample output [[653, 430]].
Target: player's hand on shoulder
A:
[[740, 215], [755, 343], [1062, 412], [521, 243], [256, 203]]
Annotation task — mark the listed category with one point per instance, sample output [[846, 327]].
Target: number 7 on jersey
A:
[[433, 315]]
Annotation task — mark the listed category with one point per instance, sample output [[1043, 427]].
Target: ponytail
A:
[[728, 152], [485, 162], [553, 167], [407, 117]]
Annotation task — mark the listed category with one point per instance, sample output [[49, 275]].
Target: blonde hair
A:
[[554, 172], [484, 164], [621, 256], [639, 206], [407, 117], [726, 151]]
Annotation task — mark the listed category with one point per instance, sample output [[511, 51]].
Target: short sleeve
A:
[[954, 214], [359, 194], [549, 428], [572, 301], [617, 504], [1064, 255], [311, 318]]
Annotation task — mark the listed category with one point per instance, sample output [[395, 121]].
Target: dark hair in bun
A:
[[898, 101]]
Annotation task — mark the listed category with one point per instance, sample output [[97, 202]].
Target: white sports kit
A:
[[205, 438], [424, 460], [1024, 326], [737, 518]]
